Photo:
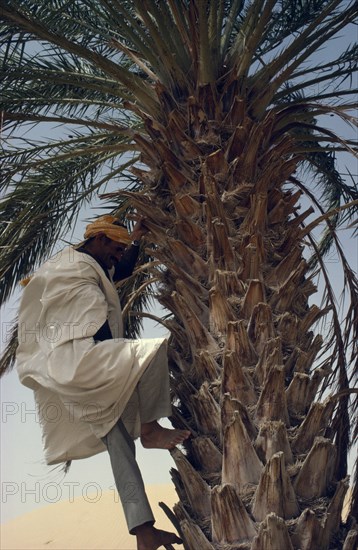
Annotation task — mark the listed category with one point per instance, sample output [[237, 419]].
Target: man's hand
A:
[[139, 230]]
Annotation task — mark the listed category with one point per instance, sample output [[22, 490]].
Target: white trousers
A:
[[152, 399]]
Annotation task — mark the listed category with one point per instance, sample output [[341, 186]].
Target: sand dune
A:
[[82, 524]]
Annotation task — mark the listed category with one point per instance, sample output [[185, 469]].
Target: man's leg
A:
[[154, 403], [153, 389], [127, 477], [131, 490]]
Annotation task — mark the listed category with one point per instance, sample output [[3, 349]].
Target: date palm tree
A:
[[209, 118]]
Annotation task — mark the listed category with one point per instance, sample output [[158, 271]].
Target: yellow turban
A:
[[107, 226]]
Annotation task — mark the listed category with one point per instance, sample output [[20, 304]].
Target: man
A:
[[94, 389]]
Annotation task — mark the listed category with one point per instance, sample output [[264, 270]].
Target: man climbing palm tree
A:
[[103, 387]]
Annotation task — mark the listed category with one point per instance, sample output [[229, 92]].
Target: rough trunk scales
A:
[[259, 471]]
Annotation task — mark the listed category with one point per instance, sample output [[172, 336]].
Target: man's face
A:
[[109, 252]]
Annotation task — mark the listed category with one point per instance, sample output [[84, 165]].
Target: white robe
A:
[[81, 386]]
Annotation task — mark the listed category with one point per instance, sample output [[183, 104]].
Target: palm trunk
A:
[[259, 471]]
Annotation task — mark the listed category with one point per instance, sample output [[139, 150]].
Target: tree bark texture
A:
[[258, 472]]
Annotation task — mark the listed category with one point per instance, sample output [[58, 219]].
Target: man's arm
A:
[[125, 267], [104, 333]]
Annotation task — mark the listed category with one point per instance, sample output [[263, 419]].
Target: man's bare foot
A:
[[154, 436], [150, 538]]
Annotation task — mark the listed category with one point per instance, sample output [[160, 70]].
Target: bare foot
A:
[[150, 538], [154, 436]]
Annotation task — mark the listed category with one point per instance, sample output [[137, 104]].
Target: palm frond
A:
[[338, 341], [268, 80], [44, 205], [8, 357], [48, 30]]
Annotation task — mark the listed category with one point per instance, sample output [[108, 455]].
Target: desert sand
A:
[[82, 524]]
